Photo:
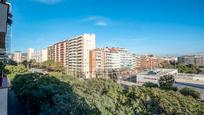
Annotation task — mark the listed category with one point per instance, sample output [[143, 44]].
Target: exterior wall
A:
[[23, 57], [112, 60], [197, 60], [148, 62], [17, 57], [107, 60], [97, 62], [57, 53], [30, 54], [3, 29], [40, 55]]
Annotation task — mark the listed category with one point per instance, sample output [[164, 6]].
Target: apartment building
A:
[[40, 55], [112, 59], [97, 62], [30, 53], [148, 62], [24, 57], [197, 60], [78, 54], [17, 57], [106, 60], [57, 52]]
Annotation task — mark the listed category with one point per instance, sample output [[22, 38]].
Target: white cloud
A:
[[101, 23], [49, 1], [98, 20]]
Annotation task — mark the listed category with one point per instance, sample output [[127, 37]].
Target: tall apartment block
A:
[[30, 53], [5, 20], [57, 53], [78, 54]]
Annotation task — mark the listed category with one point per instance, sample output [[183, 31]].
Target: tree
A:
[[151, 85], [186, 91], [13, 70], [166, 82], [44, 94], [188, 69]]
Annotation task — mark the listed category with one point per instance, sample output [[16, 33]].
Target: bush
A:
[[151, 85], [186, 91]]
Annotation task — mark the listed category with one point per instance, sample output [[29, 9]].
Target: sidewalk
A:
[[3, 101]]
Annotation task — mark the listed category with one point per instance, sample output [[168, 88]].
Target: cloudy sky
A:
[[143, 26]]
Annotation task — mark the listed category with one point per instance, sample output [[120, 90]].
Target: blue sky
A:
[[143, 26]]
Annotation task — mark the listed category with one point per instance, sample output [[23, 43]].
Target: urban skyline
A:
[[142, 28]]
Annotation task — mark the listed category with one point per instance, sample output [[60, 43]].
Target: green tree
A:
[[188, 69], [13, 70], [166, 82], [45, 94], [186, 91]]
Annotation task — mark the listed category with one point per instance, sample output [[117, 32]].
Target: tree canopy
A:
[[188, 69], [45, 94]]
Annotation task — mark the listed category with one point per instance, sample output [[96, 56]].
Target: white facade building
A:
[[112, 59], [30, 53], [17, 56], [78, 54], [118, 58], [40, 55]]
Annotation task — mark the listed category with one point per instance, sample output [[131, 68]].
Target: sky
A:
[[143, 26]]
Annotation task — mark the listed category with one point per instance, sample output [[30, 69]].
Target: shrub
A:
[[186, 91], [151, 85]]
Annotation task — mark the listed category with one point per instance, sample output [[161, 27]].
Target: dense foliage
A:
[[191, 69], [151, 85], [12, 70], [43, 94], [166, 82], [186, 91]]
